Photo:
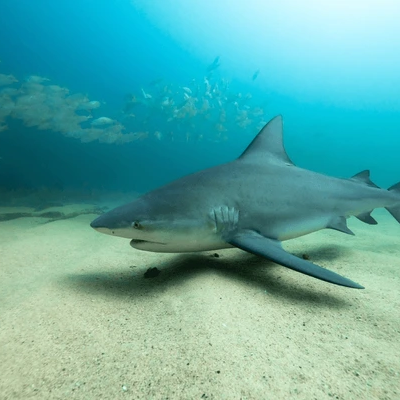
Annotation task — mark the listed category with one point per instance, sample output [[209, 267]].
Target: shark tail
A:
[[395, 211]]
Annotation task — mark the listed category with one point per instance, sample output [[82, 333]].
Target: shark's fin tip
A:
[[271, 249], [268, 144]]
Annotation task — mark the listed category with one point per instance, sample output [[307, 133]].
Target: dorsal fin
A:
[[363, 177], [268, 144]]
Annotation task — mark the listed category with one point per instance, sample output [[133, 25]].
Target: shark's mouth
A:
[[138, 241]]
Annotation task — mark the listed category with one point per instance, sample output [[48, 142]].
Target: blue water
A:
[[337, 87]]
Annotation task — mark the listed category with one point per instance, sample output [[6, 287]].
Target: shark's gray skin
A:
[[252, 203]]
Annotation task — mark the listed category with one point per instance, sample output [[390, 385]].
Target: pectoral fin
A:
[[271, 249]]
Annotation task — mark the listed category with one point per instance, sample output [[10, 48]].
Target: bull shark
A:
[[253, 203]]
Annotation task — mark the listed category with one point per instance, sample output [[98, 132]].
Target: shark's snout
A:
[[102, 224], [98, 223], [115, 223]]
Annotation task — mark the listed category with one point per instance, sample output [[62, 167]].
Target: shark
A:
[[253, 203]]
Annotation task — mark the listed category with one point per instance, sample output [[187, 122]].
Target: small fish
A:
[[102, 121], [7, 80], [214, 65], [167, 102], [158, 135], [255, 75], [89, 105], [146, 95], [37, 79]]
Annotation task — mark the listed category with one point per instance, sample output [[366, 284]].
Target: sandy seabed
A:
[[79, 320]]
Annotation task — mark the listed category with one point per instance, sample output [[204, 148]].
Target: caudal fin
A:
[[395, 211]]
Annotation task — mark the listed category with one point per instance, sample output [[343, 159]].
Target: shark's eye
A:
[[136, 225]]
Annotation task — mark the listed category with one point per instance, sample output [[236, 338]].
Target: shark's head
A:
[[153, 223]]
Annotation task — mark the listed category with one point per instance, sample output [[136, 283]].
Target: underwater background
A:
[[102, 100], [127, 95]]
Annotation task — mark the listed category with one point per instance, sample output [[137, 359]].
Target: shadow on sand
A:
[[257, 272]]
